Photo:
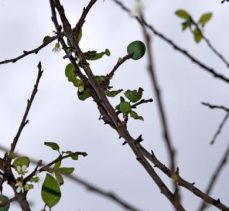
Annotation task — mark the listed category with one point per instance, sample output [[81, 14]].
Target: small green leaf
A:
[[205, 18], [69, 72], [4, 203], [21, 161], [66, 170], [73, 155], [52, 145], [125, 107], [134, 115], [136, 49], [47, 39], [197, 35], [50, 191], [59, 178], [93, 55], [83, 95], [113, 93], [134, 95], [182, 14], [186, 24]]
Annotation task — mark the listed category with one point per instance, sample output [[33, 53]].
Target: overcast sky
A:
[[57, 115]]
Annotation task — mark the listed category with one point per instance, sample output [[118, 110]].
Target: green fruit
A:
[[136, 49]]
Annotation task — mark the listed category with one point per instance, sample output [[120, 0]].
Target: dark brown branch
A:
[[26, 53], [118, 64], [211, 106], [104, 105], [215, 176], [24, 120], [156, 88], [182, 182], [175, 46], [220, 127]]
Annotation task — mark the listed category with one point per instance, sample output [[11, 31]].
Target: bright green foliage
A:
[[53, 145], [69, 72], [195, 27], [182, 14], [93, 55], [125, 107], [113, 93], [134, 95], [50, 191], [83, 95], [134, 115], [58, 171], [136, 49], [205, 18], [4, 203], [21, 161], [197, 34]]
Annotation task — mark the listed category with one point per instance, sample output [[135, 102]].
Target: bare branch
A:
[[211, 106], [106, 109], [215, 176], [24, 120], [217, 133], [26, 53], [182, 182], [175, 46]]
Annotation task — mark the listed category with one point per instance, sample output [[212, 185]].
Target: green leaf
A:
[[186, 24], [136, 49], [47, 39], [197, 35], [73, 155], [182, 14], [59, 178], [69, 72], [66, 170], [50, 191], [21, 161], [83, 95], [113, 93], [134, 95], [205, 18], [134, 115], [4, 203], [52, 145], [125, 107], [93, 55]]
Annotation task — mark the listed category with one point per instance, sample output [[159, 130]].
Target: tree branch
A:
[[215, 176], [24, 120], [26, 53]]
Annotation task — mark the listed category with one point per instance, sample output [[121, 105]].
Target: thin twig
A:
[[182, 182], [220, 127], [26, 53], [24, 120], [211, 106], [216, 52], [215, 176], [175, 46]]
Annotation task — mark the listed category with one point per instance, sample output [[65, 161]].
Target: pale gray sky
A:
[[57, 115]]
